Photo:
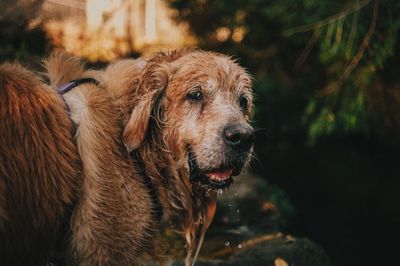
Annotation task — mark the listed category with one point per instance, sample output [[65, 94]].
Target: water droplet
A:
[[230, 205], [227, 243], [240, 246], [220, 191], [236, 194], [237, 210]]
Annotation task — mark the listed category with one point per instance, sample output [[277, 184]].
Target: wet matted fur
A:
[[171, 112], [50, 174], [168, 129], [113, 222]]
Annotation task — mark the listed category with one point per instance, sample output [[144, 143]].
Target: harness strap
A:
[[64, 88]]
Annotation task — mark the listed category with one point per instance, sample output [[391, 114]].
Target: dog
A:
[[154, 139]]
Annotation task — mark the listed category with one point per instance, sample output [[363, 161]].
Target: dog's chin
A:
[[219, 178]]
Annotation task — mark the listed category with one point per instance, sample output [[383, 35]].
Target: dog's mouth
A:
[[218, 178]]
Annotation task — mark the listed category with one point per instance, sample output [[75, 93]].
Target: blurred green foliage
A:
[[334, 58]]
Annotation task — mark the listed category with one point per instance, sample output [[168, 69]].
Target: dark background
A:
[[331, 146]]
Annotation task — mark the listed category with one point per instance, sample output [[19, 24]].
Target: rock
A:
[[277, 252], [242, 232], [270, 250]]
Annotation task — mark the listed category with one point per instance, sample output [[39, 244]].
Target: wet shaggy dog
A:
[[55, 178], [182, 116]]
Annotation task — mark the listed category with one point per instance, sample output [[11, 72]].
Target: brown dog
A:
[[184, 117]]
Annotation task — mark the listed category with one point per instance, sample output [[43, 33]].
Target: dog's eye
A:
[[194, 96], [243, 102]]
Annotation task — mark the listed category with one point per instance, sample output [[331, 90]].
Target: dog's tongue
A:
[[220, 175]]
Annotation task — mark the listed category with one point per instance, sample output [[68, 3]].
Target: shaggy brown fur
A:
[[163, 123], [143, 105], [113, 222], [40, 170], [42, 174]]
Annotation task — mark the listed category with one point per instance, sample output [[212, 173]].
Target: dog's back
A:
[[39, 166], [113, 223]]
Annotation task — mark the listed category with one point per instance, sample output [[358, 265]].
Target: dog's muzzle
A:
[[238, 141], [216, 179]]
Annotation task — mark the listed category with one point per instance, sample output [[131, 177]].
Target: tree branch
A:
[[328, 20], [356, 59]]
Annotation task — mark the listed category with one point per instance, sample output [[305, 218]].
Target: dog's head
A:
[[201, 104]]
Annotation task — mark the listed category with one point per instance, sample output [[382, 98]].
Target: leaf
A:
[[280, 262]]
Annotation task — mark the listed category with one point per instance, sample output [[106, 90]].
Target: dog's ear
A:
[[154, 80]]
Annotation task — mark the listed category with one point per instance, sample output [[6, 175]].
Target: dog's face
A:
[[205, 107]]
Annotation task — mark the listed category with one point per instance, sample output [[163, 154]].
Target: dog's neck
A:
[[185, 207], [169, 180]]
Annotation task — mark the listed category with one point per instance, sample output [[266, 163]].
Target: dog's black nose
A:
[[239, 136]]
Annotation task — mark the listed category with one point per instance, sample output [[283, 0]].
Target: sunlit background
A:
[[325, 184], [102, 30]]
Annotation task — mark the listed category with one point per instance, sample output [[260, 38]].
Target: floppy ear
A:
[[154, 80]]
